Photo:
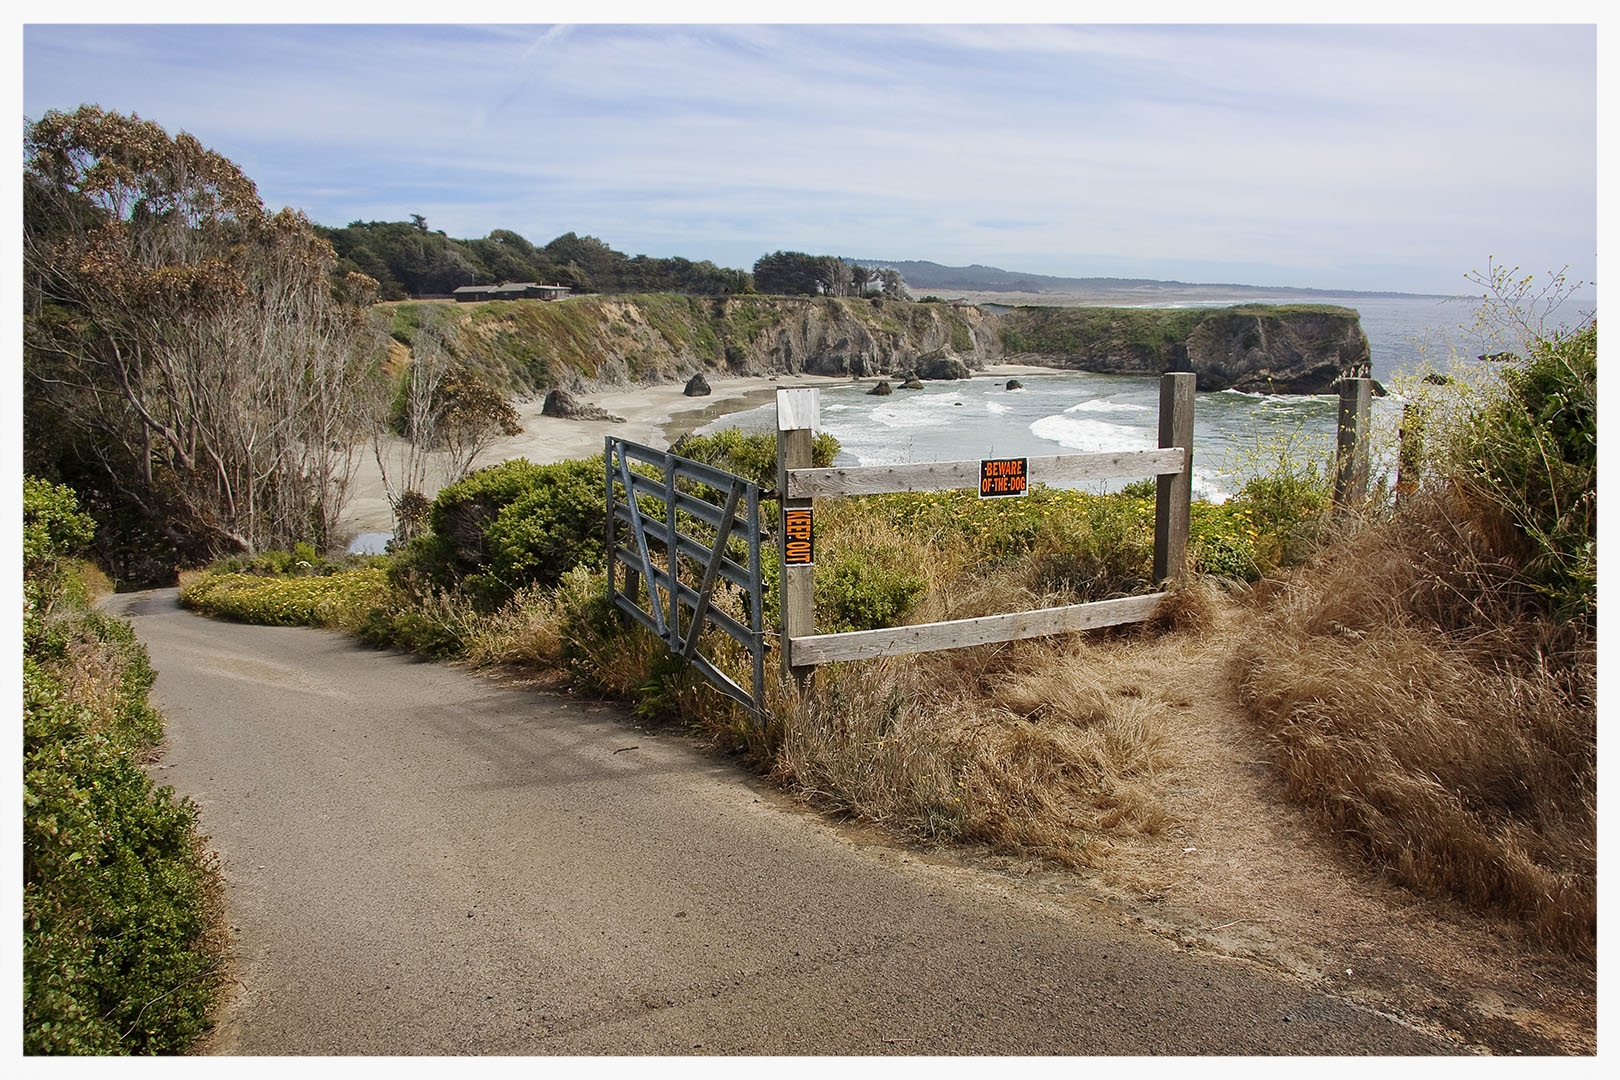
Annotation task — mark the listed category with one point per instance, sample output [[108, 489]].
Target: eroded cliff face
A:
[[851, 337], [1304, 351], [534, 346], [1282, 349]]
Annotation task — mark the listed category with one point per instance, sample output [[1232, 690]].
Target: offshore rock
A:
[[942, 364], [912, 383], [1014, 384], [882, 389]]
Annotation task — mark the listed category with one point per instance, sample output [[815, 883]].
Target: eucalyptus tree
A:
[[861, 277], [190, 338], [444, 416]]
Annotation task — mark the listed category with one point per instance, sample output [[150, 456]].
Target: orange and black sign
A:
[[798, 531], [1003, 476]]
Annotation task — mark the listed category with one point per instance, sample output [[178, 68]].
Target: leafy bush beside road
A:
[[120, 900]]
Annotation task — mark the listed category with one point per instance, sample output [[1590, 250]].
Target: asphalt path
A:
[[421, 861]]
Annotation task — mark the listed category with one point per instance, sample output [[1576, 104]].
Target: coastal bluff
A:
[[597, 341], [1257, 348]]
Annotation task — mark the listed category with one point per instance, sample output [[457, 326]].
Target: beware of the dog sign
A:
[[798, 531], [1003, 476]]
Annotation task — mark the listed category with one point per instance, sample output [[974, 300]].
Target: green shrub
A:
[[302, 561], [430, 626], [1094, 546], [1285, 506], [480, 541], [53, 525], [119, 896], [330, 600], [865, 590], [1532, 451], [1221, 540], [544, 533]]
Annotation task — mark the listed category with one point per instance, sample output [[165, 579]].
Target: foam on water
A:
[[1062, 413], [1091, 435], [1207, 485], [919, 411], [1102, 405]]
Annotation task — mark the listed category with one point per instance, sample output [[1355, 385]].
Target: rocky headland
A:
[[1259, 348]]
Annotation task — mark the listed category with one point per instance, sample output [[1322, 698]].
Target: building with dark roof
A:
[[513, 290]]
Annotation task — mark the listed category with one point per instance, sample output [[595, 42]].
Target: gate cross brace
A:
[[701, 605], [640, 529]]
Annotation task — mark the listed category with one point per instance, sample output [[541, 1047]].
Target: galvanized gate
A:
[[682, 528]]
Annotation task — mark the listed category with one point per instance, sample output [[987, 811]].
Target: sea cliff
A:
[[530, 347]]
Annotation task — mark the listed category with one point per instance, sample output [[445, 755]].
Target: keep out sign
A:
[[798, 531], [1003, 476]]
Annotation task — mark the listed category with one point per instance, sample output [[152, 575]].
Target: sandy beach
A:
[[653, 415]]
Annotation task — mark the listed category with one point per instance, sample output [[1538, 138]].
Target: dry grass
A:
[[1032, 748], [1414, 695], [525, 632]]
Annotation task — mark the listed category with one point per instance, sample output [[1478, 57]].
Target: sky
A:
[[1371, 156]]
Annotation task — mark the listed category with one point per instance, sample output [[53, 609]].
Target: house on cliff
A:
[[516, 290]]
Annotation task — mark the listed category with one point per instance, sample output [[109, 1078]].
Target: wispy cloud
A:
[[1320, 155]]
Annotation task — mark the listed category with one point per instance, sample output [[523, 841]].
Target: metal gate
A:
[[681, 528]]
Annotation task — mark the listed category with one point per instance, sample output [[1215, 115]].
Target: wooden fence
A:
[[647, 508], [799, 485]]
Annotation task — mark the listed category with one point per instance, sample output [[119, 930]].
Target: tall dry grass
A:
[[1028, 747], [1416, 696]]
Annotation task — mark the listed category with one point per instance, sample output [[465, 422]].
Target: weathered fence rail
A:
[[798, 413], [947, 475]]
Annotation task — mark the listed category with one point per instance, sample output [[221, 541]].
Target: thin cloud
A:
[[1329, 155]]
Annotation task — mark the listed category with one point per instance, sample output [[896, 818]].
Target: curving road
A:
[[419, 861]]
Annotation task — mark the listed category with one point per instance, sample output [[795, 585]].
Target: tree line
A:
[[795, 273], [407, 259]]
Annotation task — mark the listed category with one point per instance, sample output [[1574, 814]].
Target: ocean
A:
[[1235, 434]]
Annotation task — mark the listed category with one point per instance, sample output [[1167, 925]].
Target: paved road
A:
[[422, 862]]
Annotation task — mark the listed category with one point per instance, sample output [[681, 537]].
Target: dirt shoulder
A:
[[1243, 873]]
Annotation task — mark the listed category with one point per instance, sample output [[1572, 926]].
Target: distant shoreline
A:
[[1205, 295]]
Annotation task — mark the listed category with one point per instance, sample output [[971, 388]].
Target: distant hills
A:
[[928, 277]]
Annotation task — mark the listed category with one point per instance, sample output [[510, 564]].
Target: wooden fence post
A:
[[1353, 461], [1177, 394], [798, 413], [1409, 462]]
